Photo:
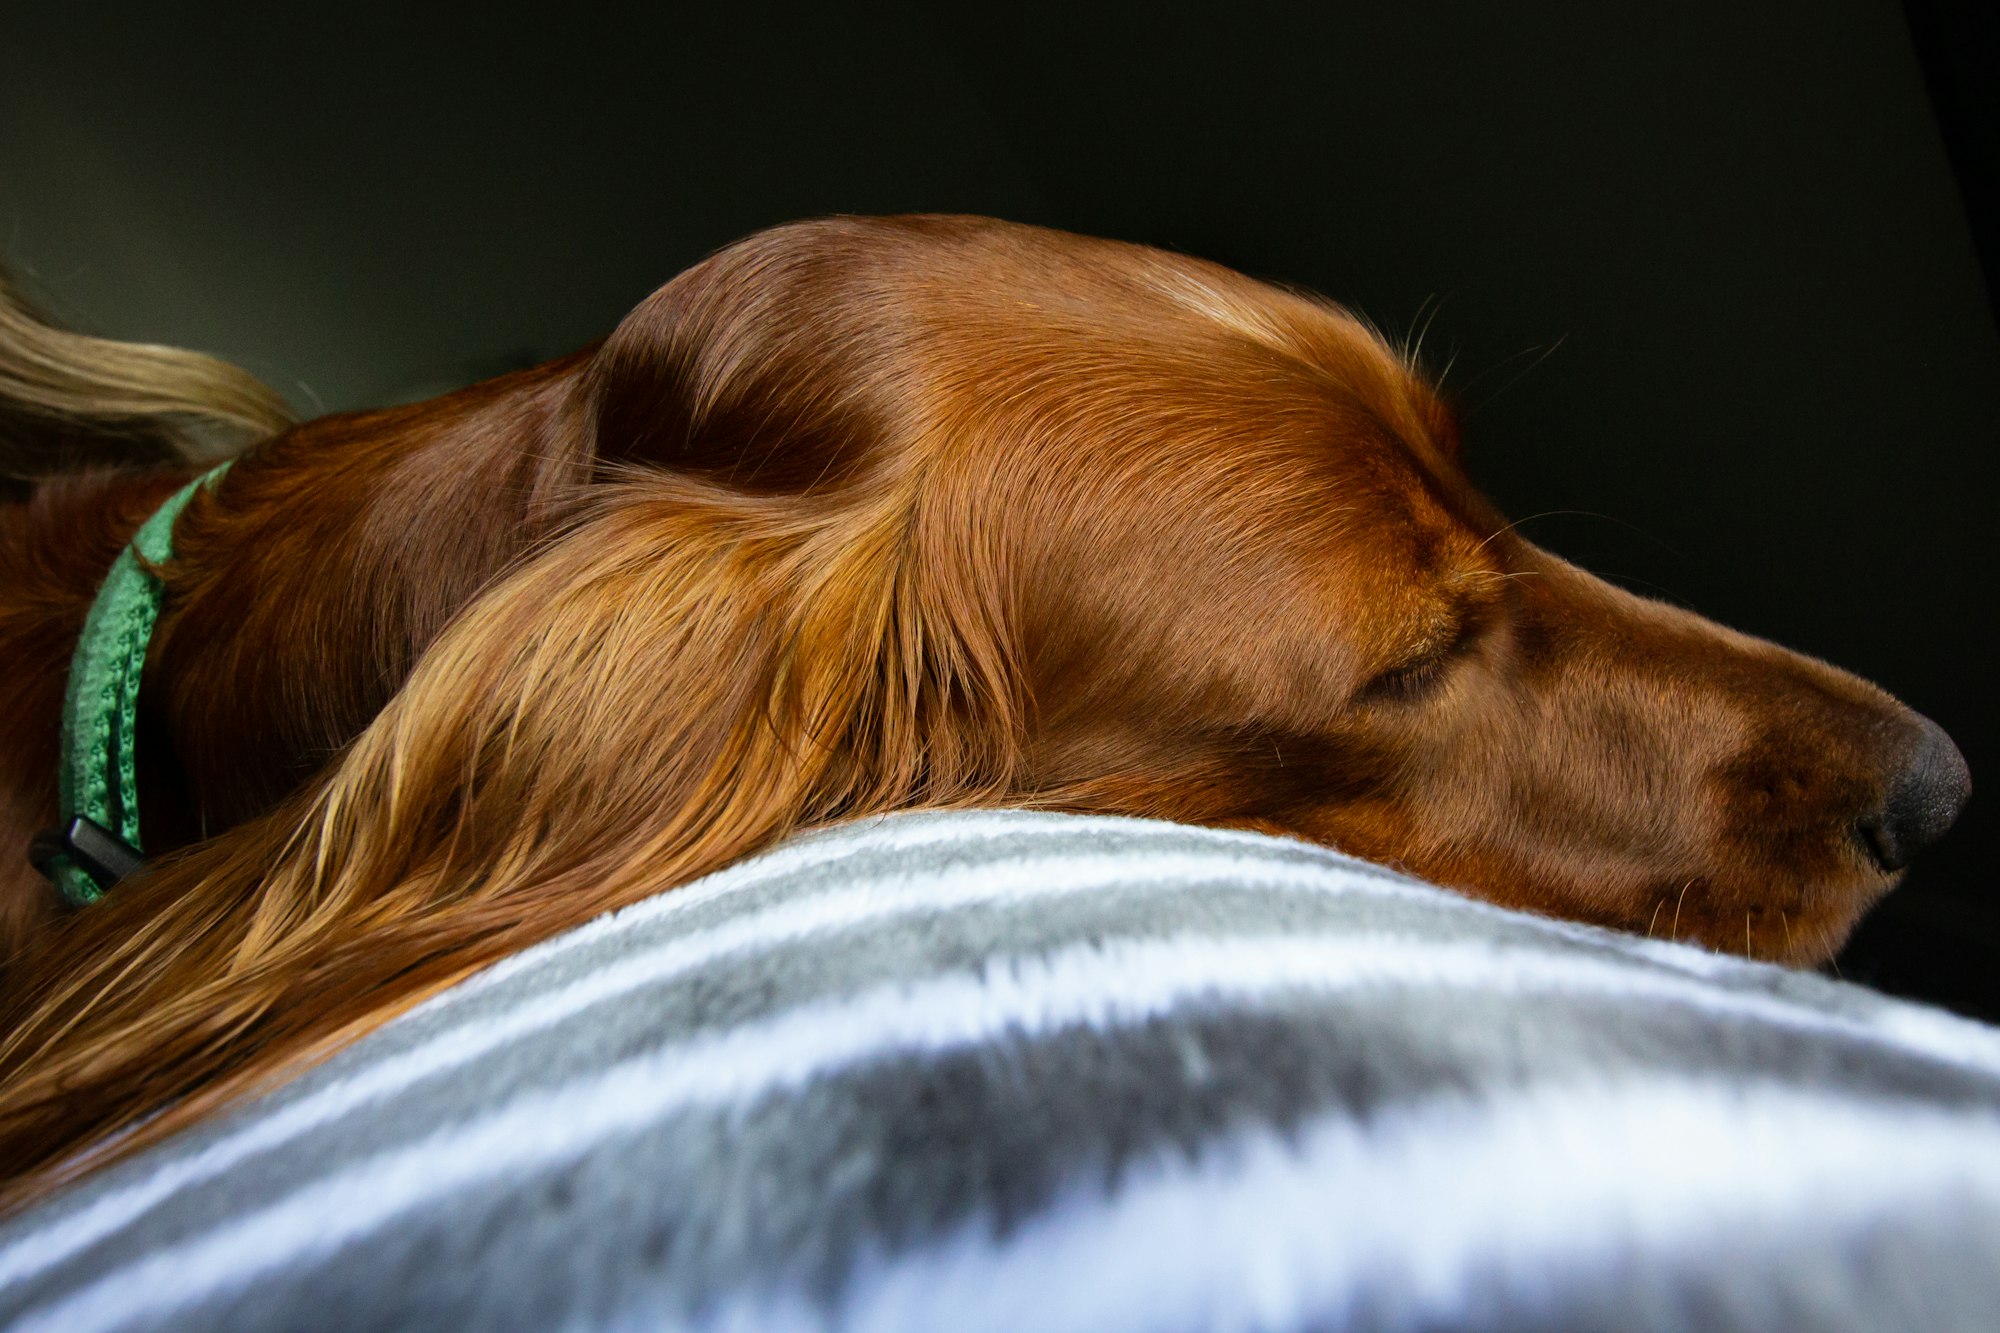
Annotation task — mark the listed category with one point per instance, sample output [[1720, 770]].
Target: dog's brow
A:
[[1461, 602], [1433, 632]]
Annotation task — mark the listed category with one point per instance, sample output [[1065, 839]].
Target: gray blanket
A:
[[1011, 1071]]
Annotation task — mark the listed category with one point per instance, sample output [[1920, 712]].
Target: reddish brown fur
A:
[[855, 516]]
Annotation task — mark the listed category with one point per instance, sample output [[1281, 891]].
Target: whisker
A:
[[1450, 361], [1527, 370], [1412, 339], [1501, 364], [1505, 528], [1626, 524], [1416, 348]]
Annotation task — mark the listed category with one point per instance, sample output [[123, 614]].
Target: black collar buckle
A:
[[91, 848]]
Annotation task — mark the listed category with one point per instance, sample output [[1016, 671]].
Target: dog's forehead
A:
[[1305, 520], [1186, 369], [1133, 397]]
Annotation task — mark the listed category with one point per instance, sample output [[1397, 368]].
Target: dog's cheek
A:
[[1558, 794]]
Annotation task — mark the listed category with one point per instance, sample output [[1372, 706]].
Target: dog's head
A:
[[1210, 550]]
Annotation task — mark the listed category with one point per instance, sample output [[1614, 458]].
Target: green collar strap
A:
[[97, 843]]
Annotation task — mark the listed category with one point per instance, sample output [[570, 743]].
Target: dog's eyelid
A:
[[1401, 682], [1426, 665], [1415, 670]]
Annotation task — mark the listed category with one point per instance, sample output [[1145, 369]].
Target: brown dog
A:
[[860, 515]]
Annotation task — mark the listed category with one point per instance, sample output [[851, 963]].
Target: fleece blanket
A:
[[1021, 1071]]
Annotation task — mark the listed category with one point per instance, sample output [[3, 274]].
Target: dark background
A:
[[1705, 274]]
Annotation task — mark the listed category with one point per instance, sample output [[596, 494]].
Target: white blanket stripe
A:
[[1120, 983], [922, 829]]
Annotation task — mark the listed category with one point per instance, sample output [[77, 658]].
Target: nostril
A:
[[1923, 802], [1878, 835]]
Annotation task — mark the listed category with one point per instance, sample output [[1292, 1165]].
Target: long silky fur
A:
[[680, 680]]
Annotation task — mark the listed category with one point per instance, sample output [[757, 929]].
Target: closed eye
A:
[[1413, 679], [1407, 681]]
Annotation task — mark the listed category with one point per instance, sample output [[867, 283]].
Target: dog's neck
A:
[[295, 607], [54, 549]]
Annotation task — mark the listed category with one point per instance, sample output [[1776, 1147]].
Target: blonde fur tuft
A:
[[69, 400]]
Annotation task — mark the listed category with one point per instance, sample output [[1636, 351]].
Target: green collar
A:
[[97, 843]]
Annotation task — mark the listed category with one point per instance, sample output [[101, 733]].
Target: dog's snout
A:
[[1923, 799]]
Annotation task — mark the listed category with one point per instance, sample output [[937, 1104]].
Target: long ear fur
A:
[[68, 401], [687, 676]]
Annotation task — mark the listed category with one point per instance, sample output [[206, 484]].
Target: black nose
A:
[[1923, 801]]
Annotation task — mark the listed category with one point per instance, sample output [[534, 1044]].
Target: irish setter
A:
[[854, 516]]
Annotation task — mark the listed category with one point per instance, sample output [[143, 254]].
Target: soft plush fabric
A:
[[1013, 1071]]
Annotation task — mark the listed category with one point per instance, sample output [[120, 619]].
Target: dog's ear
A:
[[760, 369], [675, 683]]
